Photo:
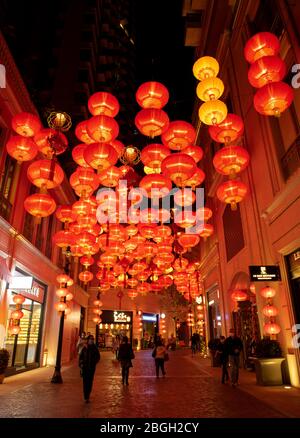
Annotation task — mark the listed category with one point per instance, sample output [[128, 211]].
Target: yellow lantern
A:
[[210, 89], [212, 112], [205, 67]]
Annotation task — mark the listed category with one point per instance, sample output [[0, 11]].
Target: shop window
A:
[[6, 187], [233, 232]]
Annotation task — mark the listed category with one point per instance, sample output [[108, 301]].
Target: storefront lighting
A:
[[210, 303], [21, 283], [163, 315]]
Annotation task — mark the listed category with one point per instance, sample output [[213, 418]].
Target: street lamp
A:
[[57, 378]]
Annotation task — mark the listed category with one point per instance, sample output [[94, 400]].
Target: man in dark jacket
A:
[[88, 359], [234, 346]]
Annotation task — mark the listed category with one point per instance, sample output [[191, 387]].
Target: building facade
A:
[[265, 229]]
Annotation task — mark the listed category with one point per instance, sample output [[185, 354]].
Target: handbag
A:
[[132, 356], [166, 357]]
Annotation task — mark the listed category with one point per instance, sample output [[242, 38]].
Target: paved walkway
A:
[[191, 389]]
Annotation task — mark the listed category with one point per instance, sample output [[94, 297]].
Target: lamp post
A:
[[57, 378]]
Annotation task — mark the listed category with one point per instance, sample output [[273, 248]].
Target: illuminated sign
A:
[[264, 273], [21, 283], [149, 317], [116, 316], [121, 317]]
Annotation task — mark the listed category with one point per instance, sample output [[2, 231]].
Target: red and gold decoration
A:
[[266, 72], [15, 315], [270, 311]]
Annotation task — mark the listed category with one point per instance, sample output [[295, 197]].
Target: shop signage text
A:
[[264, 273], [121, 317]]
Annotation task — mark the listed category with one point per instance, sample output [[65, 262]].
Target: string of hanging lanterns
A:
[[270, 311], [266, 72]]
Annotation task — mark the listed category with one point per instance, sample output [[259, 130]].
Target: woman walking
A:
[[160, 354], [125, 356], [88, 359]]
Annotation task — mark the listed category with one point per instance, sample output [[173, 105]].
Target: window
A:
[[6, 187], [233, 232]]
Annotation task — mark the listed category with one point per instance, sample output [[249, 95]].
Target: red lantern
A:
[[207, 231], [39, 205], [203, 214], [118, 146], [239, 295], [156, 186], [152, 95], [86, 276], [16, 314], [261, 44], [110, 177], [100, 156], [265, 70], [81, 208], [18, 299], [60, 306], [102, 128], [178, 167], [21, 148], [268, 292], [76, 251], [195, 152], [82, 134], [273, 99], [185, 219], [188, 240], [185, 197], [132, 293], [87, 221], [65, 214], [45, 174], [232, 192], [179, 135], [63, 238], [195, 180], [103, 103], [270, 310], [153, 154], [14, 329], [77, 154], [85, 239], [64, 279], [87, 261], [143, 289], [272, 328], [152, 122], [26, 124], [84, 181], [180, 264], [231, 160], [61, 292], [227, 131], [49, 142]]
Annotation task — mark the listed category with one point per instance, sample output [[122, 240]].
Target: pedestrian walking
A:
[[88, 359], [222, 353], [116, 345], [194, 343], [125, 357], [234, 346], [160, 355], [80, 342]]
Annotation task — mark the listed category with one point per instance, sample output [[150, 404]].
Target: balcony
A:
[[290, 162]]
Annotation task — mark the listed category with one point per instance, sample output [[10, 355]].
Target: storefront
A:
[[214, 313], [293, 264], [150, 326], [114, 323], [25, 348]]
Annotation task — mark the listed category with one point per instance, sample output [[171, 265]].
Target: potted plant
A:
[[268, 362], [213, 346], [4, 358]]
